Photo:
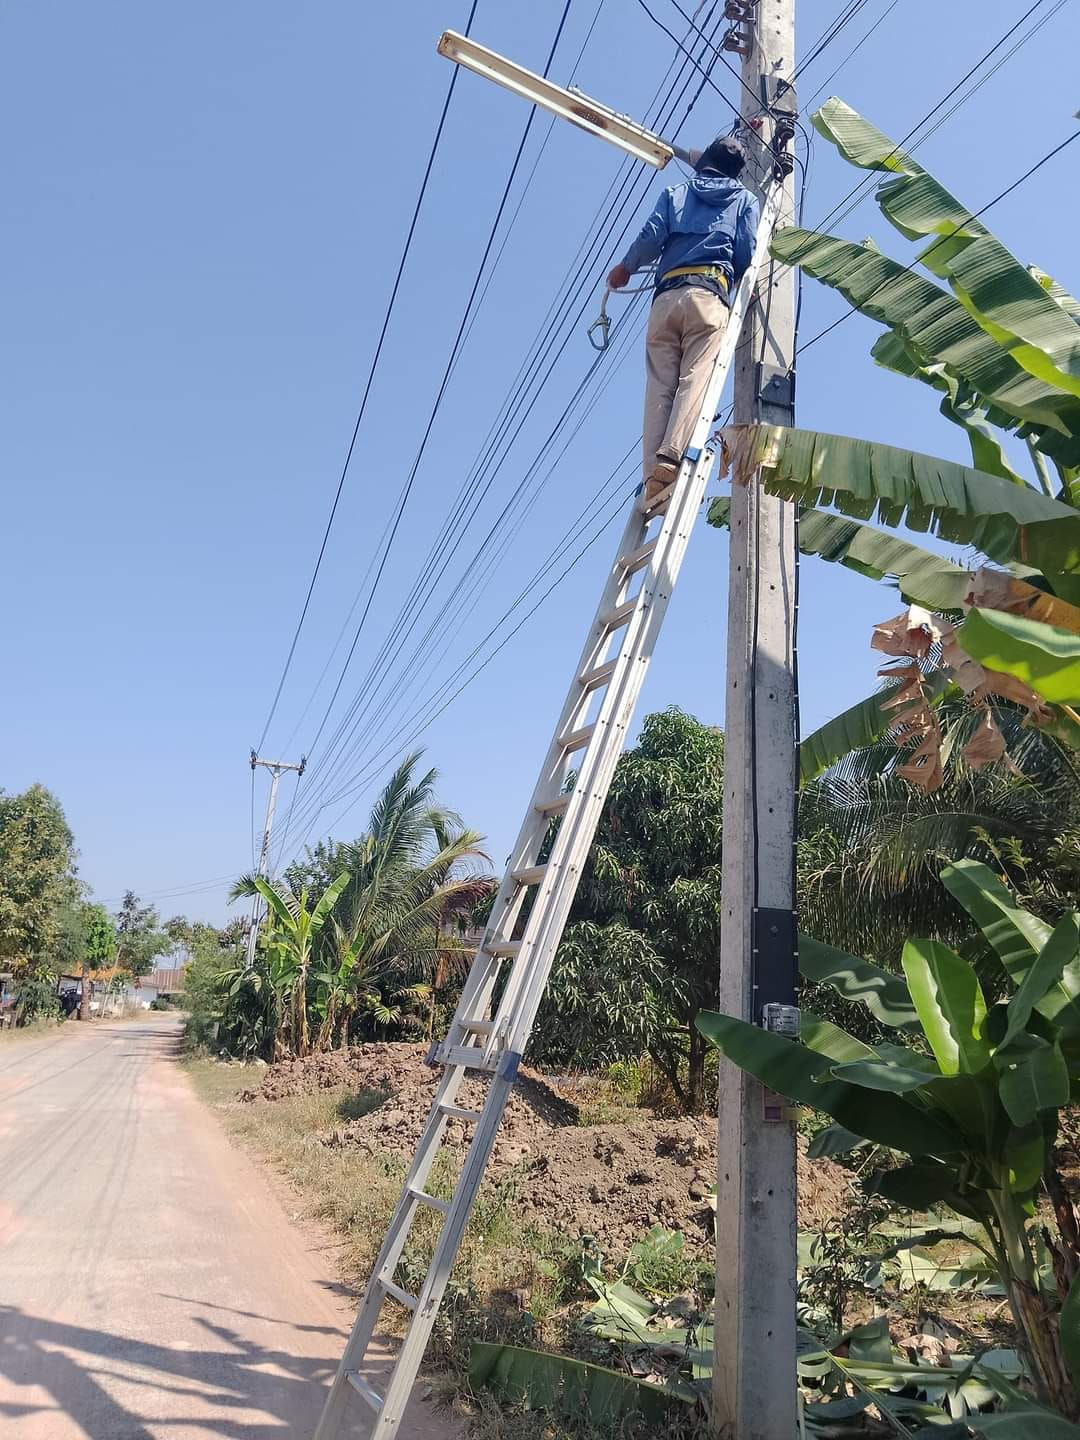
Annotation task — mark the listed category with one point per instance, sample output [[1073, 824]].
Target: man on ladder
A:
[[702, 232]]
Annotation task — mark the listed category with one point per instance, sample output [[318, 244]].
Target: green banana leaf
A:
[[828, 1039], [832, 1141], [884, 994], [864, 479], [1032, 1076], [1001, 294], [919, 1186], [1061, 951], [1026, 1424], [930, 328], [1014, 933], [794, 1070], [952, 1008], [856, 727], [1045, 657], [541, 1381], [923, 578]]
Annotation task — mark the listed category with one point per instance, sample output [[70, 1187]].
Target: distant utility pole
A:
[[277, 768], [754, 1363]]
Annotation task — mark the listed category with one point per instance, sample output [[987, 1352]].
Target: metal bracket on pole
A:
[[776, 390]]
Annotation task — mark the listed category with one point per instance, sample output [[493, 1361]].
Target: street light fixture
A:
[[572, 105]]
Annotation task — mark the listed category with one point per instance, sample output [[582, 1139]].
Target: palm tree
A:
[[393, 891], [873, 845]]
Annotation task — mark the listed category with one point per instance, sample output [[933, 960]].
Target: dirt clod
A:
[[612, 1181]]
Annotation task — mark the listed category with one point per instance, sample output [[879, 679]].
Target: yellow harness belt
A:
[[713, 272]]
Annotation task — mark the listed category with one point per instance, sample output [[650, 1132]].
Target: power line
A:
[[853, 51], [325, 782], [864, 186], [367, 386], [394, 742], [412, 665], [407, 489], [550, 331]]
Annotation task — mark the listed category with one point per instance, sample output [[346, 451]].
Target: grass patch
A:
[[512, 1282]]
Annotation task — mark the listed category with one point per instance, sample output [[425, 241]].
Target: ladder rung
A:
[[458, 1112], [635, 560], [553, 807], [616, 618], [478, 1027], [432, 1200], [401, 1296], [593, 679], [577, 739], [507, 948], [470, 1056], [530, 875], [363, 1389]]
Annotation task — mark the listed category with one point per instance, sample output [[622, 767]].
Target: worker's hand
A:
[[618, 277]]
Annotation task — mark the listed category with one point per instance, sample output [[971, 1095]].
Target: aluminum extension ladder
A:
[[592, 728]]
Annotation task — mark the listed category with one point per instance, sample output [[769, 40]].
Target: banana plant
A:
[[1001, 344], [294, 928], [968, 1093]]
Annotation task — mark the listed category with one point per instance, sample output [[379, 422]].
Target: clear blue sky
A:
[[202, 210]]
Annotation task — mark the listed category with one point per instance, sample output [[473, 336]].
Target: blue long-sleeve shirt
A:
[[709, 220]]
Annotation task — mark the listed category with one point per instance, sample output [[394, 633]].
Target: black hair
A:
[[724, 154]]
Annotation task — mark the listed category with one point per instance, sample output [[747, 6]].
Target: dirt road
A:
[[151, 1285]]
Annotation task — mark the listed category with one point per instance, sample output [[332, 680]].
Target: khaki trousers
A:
[[686, 326]]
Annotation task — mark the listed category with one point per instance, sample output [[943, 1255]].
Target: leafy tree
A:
[[99, 949], [36, 876], [385, 904], [139, 936], [641, 954]]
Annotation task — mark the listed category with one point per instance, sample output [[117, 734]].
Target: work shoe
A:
[[659, 485]]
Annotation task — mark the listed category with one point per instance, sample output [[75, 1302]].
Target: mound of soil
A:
[[612, 1181]]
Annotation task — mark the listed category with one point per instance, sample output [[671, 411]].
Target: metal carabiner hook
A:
[[601, 323]]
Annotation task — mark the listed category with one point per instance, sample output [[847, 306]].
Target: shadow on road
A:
[[240, 1390]]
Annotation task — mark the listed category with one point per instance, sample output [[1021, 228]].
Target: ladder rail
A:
[[510, 895], [531, 961], [616, 712]]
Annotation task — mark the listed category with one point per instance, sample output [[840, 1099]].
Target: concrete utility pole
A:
[[277, 768], [754, 1376]]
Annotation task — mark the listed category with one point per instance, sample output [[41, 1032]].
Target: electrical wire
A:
[[855, 196], [394, 743], [506, 236], [407, 489], [412, 665], [852, 52], [831, 32], [684, 118], [368, 384], [689, 108]]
